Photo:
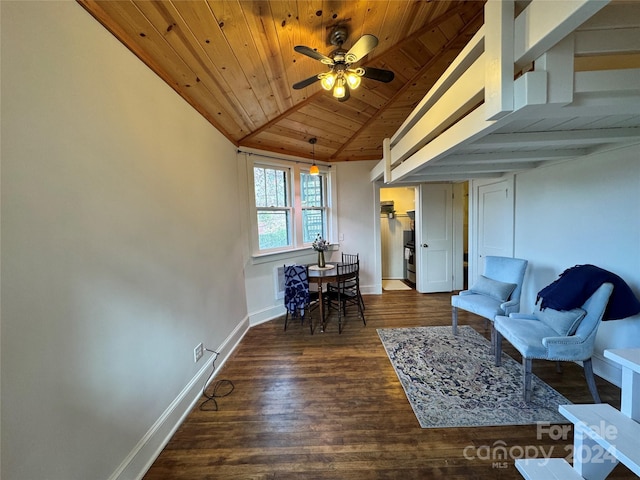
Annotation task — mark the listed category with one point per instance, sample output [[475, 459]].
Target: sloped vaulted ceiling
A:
[[234, 62]]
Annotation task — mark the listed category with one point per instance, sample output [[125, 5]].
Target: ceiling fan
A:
[[342, 76]]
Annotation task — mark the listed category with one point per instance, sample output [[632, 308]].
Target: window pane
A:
[[273, 229], [312, 225], [311, 190], [258, 182], [270, 185]]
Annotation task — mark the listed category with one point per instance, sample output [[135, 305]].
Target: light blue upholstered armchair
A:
[[497, 291], [555, 335]]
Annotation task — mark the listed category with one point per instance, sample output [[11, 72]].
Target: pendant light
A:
[[314, 170]]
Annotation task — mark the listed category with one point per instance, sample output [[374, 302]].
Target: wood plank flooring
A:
[[330, 406]]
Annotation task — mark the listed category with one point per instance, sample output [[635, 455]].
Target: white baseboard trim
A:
[[275, 311], [266, 314], [371, 289], [140, 459]]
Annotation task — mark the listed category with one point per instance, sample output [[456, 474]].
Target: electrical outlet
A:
[[198, 352]]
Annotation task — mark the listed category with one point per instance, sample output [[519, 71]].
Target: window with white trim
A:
[[273, 207], [314, 206], [292, 207]]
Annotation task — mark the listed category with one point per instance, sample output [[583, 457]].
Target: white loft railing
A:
[[479, 93]]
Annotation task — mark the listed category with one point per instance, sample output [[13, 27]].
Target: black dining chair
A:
[[354, 258], [345, 291]]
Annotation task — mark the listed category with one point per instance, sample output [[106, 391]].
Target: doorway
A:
[[396, 231]]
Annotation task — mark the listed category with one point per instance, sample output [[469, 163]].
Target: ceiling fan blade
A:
[[378, 74], [305, 83], [364, 45], [310, 52]]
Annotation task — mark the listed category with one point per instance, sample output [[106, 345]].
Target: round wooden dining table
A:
[[321, 275]]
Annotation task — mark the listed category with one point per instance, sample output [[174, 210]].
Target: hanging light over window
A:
[[314, 170]]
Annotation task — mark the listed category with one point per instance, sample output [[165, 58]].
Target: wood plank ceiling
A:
[[234, 62]]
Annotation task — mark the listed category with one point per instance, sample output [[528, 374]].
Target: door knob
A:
[[424, 245]]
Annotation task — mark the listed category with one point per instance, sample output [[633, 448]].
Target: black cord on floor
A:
[[221, 388]]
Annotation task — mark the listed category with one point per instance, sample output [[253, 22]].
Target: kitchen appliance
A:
[[410, 263], [410, 251]]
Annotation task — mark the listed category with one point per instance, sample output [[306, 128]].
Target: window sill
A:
[[258, 258]]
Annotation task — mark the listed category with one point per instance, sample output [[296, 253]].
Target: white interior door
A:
[[434, 238], [495, 221]]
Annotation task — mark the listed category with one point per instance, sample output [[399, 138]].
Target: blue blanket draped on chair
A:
[[578, 283], [296, 292]]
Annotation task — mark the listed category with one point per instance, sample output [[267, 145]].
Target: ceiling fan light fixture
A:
[[339, 91], [353, 80], [343, 76], [328, 81]]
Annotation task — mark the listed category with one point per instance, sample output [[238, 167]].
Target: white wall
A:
[[583, 211], [356, 224], [119, 249]]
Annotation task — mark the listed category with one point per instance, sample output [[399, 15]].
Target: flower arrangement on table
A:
[[320, 245]]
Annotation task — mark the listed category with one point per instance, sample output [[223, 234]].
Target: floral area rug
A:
[[451, 381]]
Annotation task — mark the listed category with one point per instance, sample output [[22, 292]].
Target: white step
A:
[[546, 469], [629, 360], [617, 433], [626, 357]]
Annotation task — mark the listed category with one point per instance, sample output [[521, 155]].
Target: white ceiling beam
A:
[[469, 169], [520, 156], [586, 107], [617, 15], [541, 25], [498, 51], [603, 42], [557, 138], [609, 82], [558, 63], [417, 179]]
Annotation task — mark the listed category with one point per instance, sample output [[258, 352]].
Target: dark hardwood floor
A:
[[329, 406]]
